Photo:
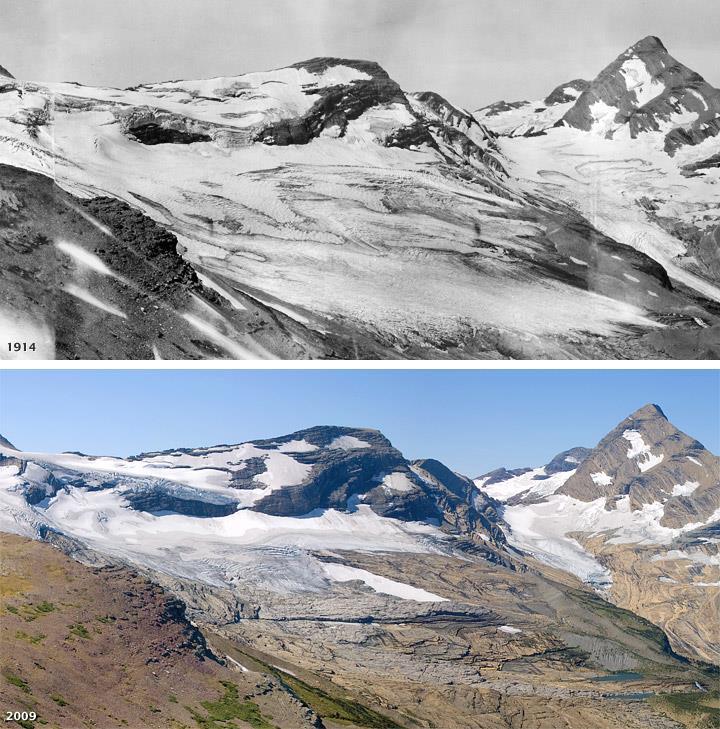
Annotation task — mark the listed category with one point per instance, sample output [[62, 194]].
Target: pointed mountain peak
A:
[[647, 459], [643, 90], [5, 72], [647, 412], [649, 44]]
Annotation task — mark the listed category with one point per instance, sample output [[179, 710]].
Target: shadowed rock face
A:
[[644, 89], [464, 510], [5, 72], [151, 133], [567, 92], [423, 490], [647, 458], [155, 501], [456, 133], [338, 104], [567, 460]]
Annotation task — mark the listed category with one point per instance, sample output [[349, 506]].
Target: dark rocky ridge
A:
[[156, 501], [451, 128], [435, 492], [6, 443], [498, 107], [152, 284], [151, 133], [338, 104], [705, 164], [559, 96], [501, 474], [5, 72], [568, 460]]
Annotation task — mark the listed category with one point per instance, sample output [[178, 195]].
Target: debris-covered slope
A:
[[105, 646]]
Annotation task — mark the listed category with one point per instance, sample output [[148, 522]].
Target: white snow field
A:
[[605, 179], [392, 233], [527, 484], [545, 524], [345, 573], [217, 550]]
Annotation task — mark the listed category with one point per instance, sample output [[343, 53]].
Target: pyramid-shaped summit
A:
[[647, 412], [646, 458], [5, 72], [645, 89], [649, 44]]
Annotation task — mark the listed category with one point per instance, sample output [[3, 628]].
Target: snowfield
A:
[[345, 573], [262, 219], [219, 550]]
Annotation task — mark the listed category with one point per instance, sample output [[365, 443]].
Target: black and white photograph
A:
[[336, 179]]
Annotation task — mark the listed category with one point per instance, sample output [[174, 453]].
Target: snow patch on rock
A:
[[347, 443], [640, 451], [685, 489], [383, 585]]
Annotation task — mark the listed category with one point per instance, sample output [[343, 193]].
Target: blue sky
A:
[[472, 51], [473, 420]]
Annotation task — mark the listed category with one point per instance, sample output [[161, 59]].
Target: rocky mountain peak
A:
[[648, 412], [645, 89], [320, 64], [568, 460], [648, 44], [5, 72], [651, 462], [324, 436], [569, 91]]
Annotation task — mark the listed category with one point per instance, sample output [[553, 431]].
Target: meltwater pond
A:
[[620, 676]]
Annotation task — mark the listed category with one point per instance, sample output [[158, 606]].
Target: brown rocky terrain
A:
[[103, 646], [648, 459], [675, 589], [514, 649]]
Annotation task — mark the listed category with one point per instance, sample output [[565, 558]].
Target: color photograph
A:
[[367, 549]]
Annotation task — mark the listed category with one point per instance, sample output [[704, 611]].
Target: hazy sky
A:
[[472, 51], [473, 421]]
